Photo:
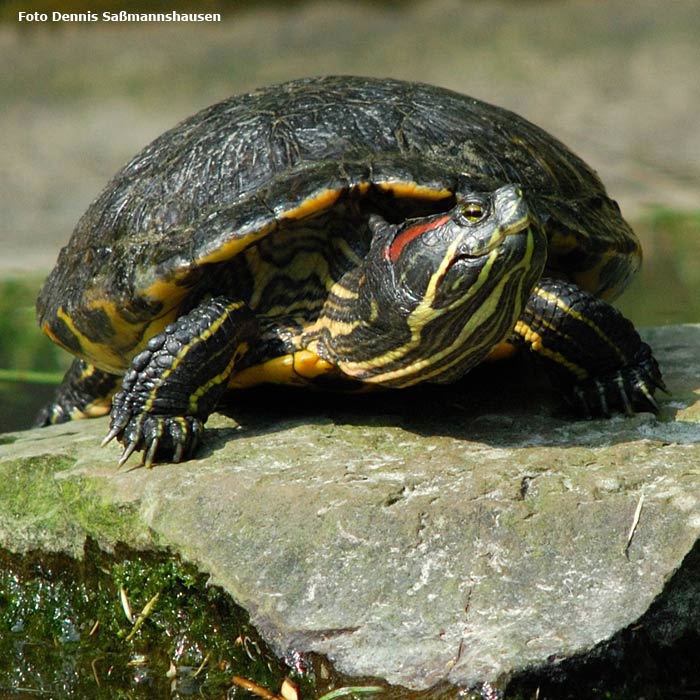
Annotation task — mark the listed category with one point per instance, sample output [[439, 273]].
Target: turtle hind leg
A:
[[589, 349], [175, 383], [84, 393]]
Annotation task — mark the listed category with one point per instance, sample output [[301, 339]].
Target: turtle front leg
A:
[[175, 383], [84, 393], [590, 350]]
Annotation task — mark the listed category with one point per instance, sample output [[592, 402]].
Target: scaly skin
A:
[[84, 393], [175, 383], [591, 352]]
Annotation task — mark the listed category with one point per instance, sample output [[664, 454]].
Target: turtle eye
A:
[[471, 212]]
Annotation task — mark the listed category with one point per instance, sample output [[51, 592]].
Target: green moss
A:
[[63, 510], [68, 629], [64, 629], [100, 517], [29, 495]]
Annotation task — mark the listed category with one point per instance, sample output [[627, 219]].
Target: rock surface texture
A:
[[460, 536]]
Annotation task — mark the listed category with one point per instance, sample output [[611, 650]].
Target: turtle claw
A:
[[179, 451], [151, 453], [628, 389], [114, 432], [603, 407], [128, 451], [160, 437], [625, 402], [653, 404]]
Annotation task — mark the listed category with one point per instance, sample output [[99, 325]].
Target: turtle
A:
[[344, 233]]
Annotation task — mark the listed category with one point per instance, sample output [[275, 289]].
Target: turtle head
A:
[[437, 293], [447, 259]]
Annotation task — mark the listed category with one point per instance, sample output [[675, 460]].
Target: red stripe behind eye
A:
[[409, 234]]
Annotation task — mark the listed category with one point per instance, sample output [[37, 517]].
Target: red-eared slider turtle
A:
[[360, 230]]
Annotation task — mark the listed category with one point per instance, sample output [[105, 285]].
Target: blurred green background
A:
[[616, 81]]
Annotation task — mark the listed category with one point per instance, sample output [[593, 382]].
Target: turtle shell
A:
[[238, 171]]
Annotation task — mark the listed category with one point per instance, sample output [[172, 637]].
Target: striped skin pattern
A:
[[86, 392], [591, 351], [470, 269], [175, 383], [444, 290]]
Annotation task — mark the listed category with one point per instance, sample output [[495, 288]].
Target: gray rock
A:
[[459, 536]]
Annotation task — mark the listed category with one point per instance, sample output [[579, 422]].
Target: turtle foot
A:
[[84, 393], [174, 438], [629, 390]]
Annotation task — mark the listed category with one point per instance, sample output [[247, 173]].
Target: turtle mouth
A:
[[497, 239], [509, 247]]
